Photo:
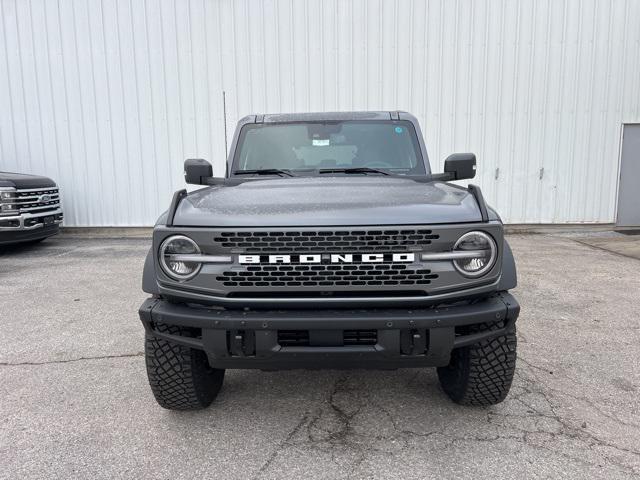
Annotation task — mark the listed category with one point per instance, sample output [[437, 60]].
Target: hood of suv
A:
[[327, 201], [20, 180]]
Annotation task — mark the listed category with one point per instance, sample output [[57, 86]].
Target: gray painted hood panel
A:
[[324, 201]]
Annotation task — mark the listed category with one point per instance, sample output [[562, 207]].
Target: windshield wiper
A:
[[265, 171], [353, 170]]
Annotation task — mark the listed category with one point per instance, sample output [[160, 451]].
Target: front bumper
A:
[[403, 337], [29, 226]]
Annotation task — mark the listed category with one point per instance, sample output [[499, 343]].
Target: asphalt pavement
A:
[[74, 399]]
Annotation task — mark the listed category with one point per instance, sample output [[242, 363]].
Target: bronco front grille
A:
[[336, 241], [359, 275]]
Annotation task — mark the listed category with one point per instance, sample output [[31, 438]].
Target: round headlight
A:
[[169, 256], [482, 253]]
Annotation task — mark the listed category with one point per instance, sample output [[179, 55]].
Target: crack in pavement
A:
[[330, 439], [586, 400], [70, 360], [282, 445], [333, 428], [330, 428], [565, 429]]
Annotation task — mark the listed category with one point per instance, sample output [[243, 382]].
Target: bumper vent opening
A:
[[293, 338], [301, 338], [9, 223], [360, 337]]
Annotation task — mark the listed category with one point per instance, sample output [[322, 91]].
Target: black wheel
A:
[[180, 377], [481, 374]]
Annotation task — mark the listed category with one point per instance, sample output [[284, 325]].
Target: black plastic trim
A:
[[371, 301], [216, 324], [466, 313], [466, 340], [175, 201], [508, 276], [477, 194], [149, 283]]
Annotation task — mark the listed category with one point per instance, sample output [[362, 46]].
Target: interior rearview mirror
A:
[[196, 171], [460, 166]]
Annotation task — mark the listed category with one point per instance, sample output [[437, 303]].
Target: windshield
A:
[[382, 145]]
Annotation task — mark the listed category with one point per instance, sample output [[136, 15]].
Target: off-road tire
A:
[[481, 374], [180, 377]]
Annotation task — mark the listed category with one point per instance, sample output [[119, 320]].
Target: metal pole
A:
[[224, 114]]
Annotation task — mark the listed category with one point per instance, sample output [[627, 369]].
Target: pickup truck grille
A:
[[361, 275], [37, 200], [337, 241]]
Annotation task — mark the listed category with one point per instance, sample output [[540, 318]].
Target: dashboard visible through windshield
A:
[[311, 147]]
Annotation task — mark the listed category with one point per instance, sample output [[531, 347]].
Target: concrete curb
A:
[[107, 232]]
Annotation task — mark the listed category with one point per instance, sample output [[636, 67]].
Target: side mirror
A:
[[196, 171], [460, 166]]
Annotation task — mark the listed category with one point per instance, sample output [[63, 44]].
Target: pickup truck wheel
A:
[[180, 377], [481, 374]]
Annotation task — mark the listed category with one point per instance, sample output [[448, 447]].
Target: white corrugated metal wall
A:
[[109, 97]]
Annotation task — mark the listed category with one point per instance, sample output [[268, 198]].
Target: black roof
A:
[[323, 116], [327, 116]]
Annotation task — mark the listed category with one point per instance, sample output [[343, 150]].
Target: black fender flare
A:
[[149, 284], [509, 277]]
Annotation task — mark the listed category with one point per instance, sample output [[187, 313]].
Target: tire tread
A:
[[180, 377], [481, 374]]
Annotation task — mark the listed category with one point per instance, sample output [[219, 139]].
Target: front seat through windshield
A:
[[384, 145]]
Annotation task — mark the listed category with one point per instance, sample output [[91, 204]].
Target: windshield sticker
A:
[[399, 130], [320, 142]]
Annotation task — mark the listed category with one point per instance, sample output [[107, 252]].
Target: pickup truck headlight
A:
[[482, 253], [7, 197], [174, 268]]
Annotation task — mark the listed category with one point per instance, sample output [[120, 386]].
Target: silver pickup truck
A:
[[329, 243]]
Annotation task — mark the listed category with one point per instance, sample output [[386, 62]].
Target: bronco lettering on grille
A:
[[329, 258]]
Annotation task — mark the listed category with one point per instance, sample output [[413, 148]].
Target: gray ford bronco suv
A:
[[329, 243]]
